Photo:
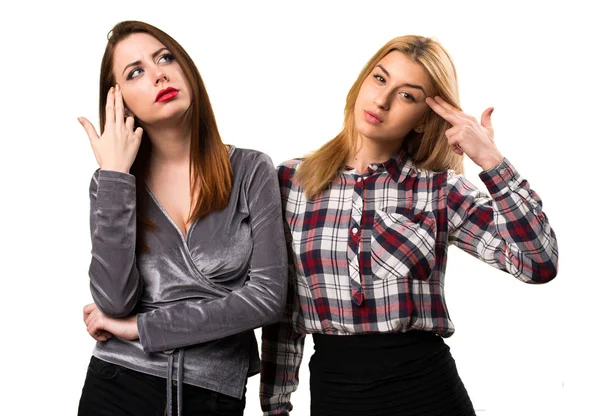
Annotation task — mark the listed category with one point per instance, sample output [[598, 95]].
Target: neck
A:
[[371, 151], [170, 144]]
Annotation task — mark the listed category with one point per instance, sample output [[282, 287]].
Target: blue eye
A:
[[134, 73], [167, 57]]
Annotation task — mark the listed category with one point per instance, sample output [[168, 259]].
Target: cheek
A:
[[406, 119], [131, 100], [363, 94]]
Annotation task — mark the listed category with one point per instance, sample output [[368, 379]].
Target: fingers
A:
[[139, 132], [129, 123], [486, 118], [99, 337], [447, 112], [454, 135], [119, 111], [110, 107], [89, 128], [89, 308], [102, 336]]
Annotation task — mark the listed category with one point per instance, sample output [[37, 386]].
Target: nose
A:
[[161, 77], [382, 100]]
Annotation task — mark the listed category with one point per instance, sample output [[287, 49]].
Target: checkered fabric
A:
[[368, 255]]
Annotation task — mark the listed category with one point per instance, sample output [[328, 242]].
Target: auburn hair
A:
[[211, 174]]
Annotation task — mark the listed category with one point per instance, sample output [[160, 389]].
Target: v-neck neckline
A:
[[185, 237]]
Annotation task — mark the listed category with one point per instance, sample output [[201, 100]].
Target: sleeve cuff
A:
[[501, 179], [112, 175]]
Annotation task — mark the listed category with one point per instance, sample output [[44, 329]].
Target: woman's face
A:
[[391, 100], [153, 85]]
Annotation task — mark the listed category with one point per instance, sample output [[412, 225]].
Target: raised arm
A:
[[508, 230], [114, 280]]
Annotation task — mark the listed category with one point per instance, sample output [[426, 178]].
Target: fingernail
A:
[[118, 88]]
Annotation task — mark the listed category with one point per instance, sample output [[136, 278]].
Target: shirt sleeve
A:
[[282, 349], [260, 301], [114, 280], [508, 230], [281, 356], [282, 346]]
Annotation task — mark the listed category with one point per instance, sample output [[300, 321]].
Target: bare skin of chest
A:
[[172, 189]]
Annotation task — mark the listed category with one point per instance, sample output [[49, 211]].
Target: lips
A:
[[166, 94], [372, 117]]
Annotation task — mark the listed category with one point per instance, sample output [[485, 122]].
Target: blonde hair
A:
[[428, 149]]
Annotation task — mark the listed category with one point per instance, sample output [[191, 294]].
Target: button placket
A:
[[354, 225]]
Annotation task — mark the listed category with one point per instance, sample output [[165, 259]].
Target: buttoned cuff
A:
[[501, 179]]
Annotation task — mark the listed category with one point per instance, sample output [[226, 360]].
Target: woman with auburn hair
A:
[[188, 251], [371, 215]]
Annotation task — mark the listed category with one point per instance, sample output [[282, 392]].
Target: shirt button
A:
[[354, 230]]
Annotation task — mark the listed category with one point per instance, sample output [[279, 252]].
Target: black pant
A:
[[113, 390]]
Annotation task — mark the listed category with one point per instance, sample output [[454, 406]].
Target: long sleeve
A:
[[258, 302], [114, 280], [509, 230], [282, 350]]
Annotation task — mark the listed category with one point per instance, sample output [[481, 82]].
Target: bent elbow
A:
[[543, 272], [115, 305]]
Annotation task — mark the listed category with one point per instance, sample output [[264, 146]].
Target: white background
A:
[[278, 74]]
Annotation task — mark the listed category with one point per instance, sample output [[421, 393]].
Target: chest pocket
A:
[[402, 247]]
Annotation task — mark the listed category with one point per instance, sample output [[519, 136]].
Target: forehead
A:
[[402, 69], [134, 47]]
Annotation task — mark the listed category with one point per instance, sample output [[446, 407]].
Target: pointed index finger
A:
[[444, 112]]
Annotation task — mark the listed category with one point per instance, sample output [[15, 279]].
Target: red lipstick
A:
[[166, 94]]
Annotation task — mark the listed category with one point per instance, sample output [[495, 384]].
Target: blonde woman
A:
[[371, 215]]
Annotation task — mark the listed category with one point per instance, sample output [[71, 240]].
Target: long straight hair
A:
[[211, 175], [428, 149]]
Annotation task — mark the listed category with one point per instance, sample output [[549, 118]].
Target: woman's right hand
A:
[[117, 147], [102, 328]]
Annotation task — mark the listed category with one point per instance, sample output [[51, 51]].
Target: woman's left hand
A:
[[101, 327], [467, 135]]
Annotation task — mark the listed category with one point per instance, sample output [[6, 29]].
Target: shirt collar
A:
[[398, 166]]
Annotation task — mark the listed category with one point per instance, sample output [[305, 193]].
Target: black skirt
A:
[[404, 374]]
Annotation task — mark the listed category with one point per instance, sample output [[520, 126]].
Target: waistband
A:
[[378, 348]]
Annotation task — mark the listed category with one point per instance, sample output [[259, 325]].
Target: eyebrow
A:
[[154, 55], [415, 86]]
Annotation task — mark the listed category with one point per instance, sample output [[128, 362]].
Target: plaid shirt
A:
[[369, 254]]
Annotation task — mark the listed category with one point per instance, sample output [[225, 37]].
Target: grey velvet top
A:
[[206, 292]]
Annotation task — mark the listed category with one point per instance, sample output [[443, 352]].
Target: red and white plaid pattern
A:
[[369, 254]]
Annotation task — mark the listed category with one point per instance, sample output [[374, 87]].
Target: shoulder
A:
[[289, 166], [243, 157]]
